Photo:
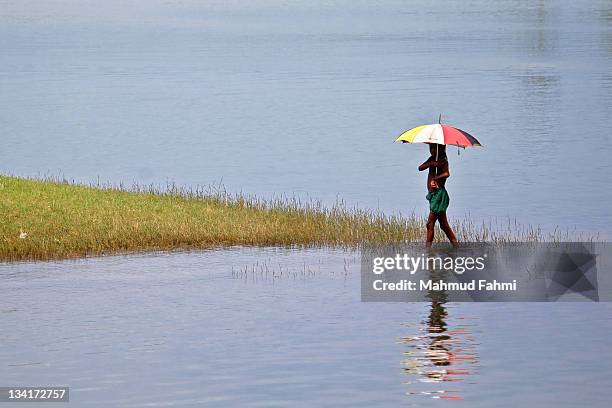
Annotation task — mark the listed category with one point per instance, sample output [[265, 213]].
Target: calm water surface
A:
[[280, 98], [275, 327]]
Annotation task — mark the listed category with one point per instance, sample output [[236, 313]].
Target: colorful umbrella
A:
[[440, 134]]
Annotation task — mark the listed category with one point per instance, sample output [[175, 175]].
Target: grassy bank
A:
[[44, 220]]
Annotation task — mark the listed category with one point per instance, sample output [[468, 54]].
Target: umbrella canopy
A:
[[440, 134]]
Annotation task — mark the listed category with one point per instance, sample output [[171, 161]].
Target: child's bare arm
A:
[[443, 175], [427, 164], [444, 171]]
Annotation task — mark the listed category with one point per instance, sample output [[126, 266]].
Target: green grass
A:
[[66, 220]]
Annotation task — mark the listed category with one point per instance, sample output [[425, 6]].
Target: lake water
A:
[[275, 327], [277, 98]]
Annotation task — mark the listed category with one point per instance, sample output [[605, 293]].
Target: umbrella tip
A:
[[440, 118]]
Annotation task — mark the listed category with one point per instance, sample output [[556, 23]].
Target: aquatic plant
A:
[[58, 219]]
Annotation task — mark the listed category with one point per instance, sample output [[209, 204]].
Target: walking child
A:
[[437, 163]]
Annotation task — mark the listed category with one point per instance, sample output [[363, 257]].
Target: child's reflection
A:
[[439, 355]]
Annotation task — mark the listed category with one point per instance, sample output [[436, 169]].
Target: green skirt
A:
[[438, 200]]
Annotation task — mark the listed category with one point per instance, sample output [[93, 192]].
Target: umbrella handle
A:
[[439, 122], [436, 159]]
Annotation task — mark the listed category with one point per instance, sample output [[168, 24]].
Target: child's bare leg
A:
[[447, 228], [431, 224]]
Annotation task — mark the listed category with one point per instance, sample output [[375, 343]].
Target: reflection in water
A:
[[605, 82], [537, 24], [605, 17], [538, 82], [539, 85], [438, 354], [540, 34], [539, 92]]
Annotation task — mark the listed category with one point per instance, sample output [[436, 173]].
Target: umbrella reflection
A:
[[439, 354]]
